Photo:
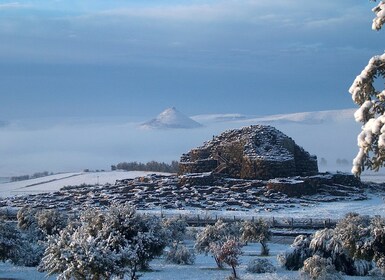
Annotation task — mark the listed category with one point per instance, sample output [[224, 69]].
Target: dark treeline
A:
[[33, 176], [149, 166]]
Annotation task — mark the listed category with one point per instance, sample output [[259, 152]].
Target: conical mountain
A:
[[171, 118]]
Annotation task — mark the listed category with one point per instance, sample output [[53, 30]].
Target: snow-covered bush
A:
[[260, 266], [213, 237], [317, 268], [192, 233], [298, 253], [176, 229], [364, 239], [35, 225], [326, 245], [256, 231], [50, 221], [371, 140], [26, 218], [350, 247], [10, 241], [40, 222], [108, 243], [30, 253], [180, 254]]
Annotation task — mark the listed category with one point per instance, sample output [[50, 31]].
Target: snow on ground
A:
[[56, 182], [375, 205], [204, 268]]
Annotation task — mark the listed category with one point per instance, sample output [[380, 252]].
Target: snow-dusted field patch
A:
[[55, 182]]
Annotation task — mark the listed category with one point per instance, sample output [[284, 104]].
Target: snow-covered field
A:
[[333, 210], [204, 268], [56, 182]]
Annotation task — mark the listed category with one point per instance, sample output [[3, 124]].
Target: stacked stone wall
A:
[[263, 169], [306, 165], [292, 188], [198, 166], [204, 179]]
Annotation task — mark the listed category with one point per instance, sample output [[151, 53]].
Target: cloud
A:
[[12, 5], [281, 12]]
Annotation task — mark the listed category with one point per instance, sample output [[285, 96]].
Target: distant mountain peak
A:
[[171, 118]]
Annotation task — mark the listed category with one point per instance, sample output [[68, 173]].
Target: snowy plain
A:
[[56, 182]]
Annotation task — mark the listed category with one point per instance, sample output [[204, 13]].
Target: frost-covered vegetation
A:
[[103, 244], [260, 266], [371, 140], [256, 231], [119, 242], [212, 238], [353, 247]]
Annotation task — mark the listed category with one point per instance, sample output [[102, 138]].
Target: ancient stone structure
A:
[[254, 152]]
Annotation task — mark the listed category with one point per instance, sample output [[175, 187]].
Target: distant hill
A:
[[171, 118]]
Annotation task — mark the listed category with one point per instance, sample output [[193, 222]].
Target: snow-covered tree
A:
[[228, 253], [371, 114], [256, 231], [213, 237], [115, 242], [379, 20]]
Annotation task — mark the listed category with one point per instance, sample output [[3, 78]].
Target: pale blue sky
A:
[[135, 58]]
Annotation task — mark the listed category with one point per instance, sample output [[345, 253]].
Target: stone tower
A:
[[253, 152]]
